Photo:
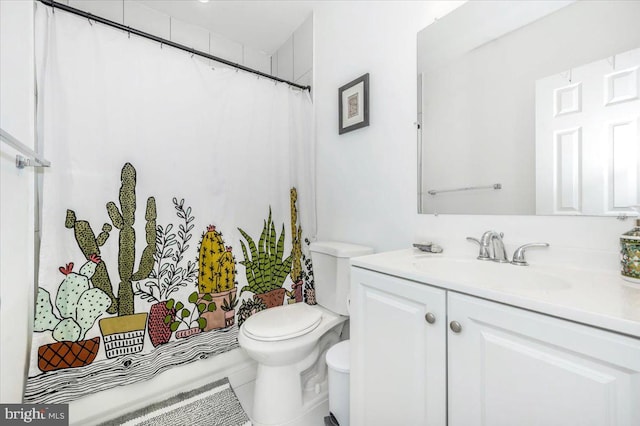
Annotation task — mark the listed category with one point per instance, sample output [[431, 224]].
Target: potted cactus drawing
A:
[[79, 304], [229, 309], [193, 319], [216, 277], [265, 269], [124, 334], [169, 273]]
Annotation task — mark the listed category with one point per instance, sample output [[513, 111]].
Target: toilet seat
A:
[[282, 322]]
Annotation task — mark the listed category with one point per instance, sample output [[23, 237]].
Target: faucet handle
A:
[[484, 249], [518, 255]]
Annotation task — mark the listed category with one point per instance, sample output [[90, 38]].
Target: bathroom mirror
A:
[[530, 108]]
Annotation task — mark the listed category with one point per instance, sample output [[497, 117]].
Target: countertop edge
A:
[[380, 262]]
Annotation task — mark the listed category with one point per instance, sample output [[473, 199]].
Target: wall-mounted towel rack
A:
[[467, 188], [33, 159]]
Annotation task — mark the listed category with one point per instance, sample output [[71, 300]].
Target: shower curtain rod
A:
[[56, 5]]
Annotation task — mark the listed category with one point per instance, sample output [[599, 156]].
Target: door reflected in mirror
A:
[[530, 108]]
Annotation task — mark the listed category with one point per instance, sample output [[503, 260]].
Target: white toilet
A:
[[289, 342]]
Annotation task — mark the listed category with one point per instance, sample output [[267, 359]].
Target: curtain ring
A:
[[128, 32], [89, 19]]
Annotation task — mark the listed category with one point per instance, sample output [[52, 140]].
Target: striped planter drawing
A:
[[182, 334], [123, 335]]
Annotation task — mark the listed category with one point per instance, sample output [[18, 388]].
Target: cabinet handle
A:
[[430, 318], [455, 326]]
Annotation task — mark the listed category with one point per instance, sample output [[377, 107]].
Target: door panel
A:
[[587, 139]]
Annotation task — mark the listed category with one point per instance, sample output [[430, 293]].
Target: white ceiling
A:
[[261, 25]]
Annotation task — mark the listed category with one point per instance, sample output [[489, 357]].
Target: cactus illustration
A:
[[296, 235], [78, 303], [90, 245], [227, 270], [217, 266], [123, 219], [248, 308], [265, 268], [307, 277]]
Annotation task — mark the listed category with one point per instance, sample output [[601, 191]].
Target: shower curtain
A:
[[180, 201]]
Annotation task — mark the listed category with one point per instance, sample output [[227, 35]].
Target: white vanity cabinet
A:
[[398, 359], [502, 366], [508, 366]]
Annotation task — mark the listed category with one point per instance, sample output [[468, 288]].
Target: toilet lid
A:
[[282, 322]]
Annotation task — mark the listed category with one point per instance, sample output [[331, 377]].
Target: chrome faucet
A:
[[518, 255], [491, 247]]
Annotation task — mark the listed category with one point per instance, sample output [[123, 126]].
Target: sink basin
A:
[[502, 276]]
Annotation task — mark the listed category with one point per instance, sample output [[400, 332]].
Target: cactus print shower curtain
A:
[[179, 203]]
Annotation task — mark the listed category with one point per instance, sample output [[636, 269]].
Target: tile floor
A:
[[314, 418]]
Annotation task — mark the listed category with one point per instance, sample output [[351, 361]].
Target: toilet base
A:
[[285, 393], [311, 417], [330, 420]]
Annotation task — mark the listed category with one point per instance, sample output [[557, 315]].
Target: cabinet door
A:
[[398, 359], [509, 366]]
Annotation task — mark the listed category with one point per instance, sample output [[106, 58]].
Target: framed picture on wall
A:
[[353, 105]]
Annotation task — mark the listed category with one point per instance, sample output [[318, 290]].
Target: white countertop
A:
[[597, 298]]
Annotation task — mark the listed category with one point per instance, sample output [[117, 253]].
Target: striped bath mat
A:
[[212, 405]]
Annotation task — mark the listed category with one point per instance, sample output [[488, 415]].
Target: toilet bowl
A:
[[290, 342], [292, 371]]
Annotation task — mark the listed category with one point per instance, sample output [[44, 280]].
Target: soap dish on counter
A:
[[428, 247]]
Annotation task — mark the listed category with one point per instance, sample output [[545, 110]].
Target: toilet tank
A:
[[331, 272]]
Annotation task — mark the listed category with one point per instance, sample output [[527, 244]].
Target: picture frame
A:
[[353, 105]]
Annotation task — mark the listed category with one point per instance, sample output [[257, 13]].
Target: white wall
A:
[[144, 18], [16, 196], [293, 61], [367, 189], [366, 179]]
